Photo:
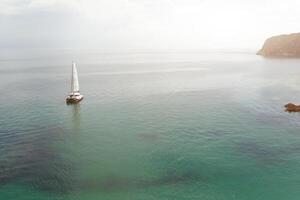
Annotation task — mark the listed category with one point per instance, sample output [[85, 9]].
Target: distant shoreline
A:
[[281, 46]]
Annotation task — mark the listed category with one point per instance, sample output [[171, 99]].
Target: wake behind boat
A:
[[74, 96]]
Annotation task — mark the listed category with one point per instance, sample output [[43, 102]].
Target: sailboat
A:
[[74, 96]]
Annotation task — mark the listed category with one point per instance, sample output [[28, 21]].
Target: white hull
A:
[[74, 98]]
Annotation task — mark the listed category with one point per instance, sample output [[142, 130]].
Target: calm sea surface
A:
[[152, 126]]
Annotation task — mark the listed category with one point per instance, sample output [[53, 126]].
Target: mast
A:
[[74, 80]]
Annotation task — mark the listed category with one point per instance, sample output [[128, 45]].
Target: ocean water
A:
[[152, 126]]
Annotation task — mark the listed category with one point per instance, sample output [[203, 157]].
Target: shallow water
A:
[[152, 126]]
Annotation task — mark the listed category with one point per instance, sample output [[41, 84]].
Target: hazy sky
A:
[[145, 24]]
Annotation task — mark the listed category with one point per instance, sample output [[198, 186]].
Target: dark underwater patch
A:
[[265, 154], [30, 157], [115, 183]]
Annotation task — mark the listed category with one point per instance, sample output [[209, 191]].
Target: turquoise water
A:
[[152, 126]]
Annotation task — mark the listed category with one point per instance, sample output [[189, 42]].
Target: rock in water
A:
[[281, 46], [290, 107]]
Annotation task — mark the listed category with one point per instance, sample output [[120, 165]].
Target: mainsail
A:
[[74, 80]]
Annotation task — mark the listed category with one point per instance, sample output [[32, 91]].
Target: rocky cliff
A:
[[281, 46]]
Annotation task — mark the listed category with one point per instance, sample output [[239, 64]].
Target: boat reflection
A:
[[76, 116]]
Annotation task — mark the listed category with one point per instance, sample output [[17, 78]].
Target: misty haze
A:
[[149, 100]]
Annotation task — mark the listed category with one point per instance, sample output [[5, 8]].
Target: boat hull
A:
[[70, 100]]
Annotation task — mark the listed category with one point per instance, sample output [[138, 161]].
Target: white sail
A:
[[74, 80]]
